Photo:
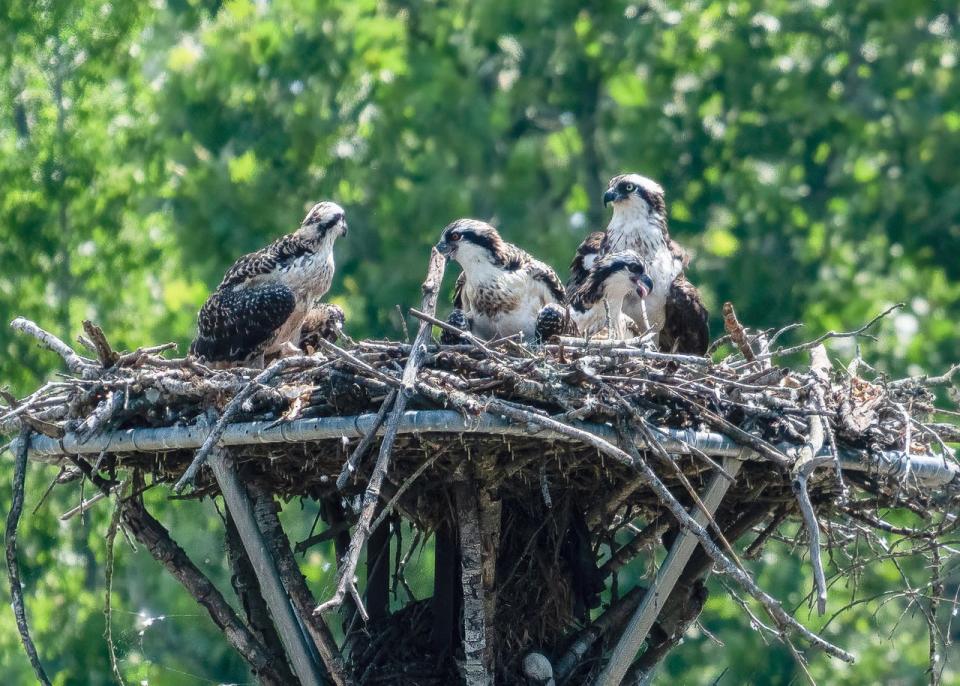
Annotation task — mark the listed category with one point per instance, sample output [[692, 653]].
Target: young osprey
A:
[[598, 302], [259, 307], [610, 281], [501, 288], [324, 320], [673, 307]]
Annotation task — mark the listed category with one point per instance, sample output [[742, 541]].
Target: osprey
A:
[[502, 288], [259, 307], [324, 321], [598, 302], [673, 308]]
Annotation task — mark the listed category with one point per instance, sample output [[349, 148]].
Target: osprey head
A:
[[620, 273], [470, 240], [636, 193], [325, 219]]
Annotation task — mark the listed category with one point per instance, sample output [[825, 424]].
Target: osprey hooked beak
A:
[[444, 248], [612, 195], [643, 283]]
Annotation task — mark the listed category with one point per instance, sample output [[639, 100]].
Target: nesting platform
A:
[[541, 472]]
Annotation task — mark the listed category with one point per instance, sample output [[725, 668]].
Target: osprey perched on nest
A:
[[673, 308], [259, 307], [502, 288], [597, 304]]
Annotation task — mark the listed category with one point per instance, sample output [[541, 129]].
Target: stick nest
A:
[[541, 484]]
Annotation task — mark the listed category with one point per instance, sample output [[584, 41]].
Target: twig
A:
[[428, 306], [782, 352], [736, 332], [629, 550], [105, 352], [111, 538], [465, 335], [190, 475], [325, 535], [403, 324], [359, 452], [13, 566], [407, 483], [131, 359], [807, 461], [725, 565], [355, 361], [925, 380], [75, 363], [371, 497], [84, 506]]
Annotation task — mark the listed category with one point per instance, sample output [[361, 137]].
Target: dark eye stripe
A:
[[331, 222]]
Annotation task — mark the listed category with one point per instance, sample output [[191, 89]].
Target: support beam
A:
[[288, 626], [928, 470], [640, 624]]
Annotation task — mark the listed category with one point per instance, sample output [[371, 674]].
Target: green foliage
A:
[[808, 150]]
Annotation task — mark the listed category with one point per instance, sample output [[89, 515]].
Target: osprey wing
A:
[[235, 325], [686, 327], [543, 274], [587, 252], [458, 291], [269, 259], [679, 254]]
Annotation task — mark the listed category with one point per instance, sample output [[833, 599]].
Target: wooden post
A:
[[643, 618], [286, 621], [475, 669]]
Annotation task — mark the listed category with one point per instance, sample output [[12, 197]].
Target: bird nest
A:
[[548, 469]]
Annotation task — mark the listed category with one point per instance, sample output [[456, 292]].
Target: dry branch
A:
[[725, 565], [230, 411], [74, 362], [13, 566], [346, 573], [156, 539]]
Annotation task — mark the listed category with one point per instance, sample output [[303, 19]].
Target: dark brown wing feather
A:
[[679, 254], [269, 259], [544, 274], [458, 291], [235, 325], [578, 272], [686, 327]]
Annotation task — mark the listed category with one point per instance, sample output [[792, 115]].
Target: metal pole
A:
[[643, 618], [275, 595], [928, 470]]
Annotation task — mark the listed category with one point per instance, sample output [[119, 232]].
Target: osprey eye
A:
[[455, 236], [629, 188]]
